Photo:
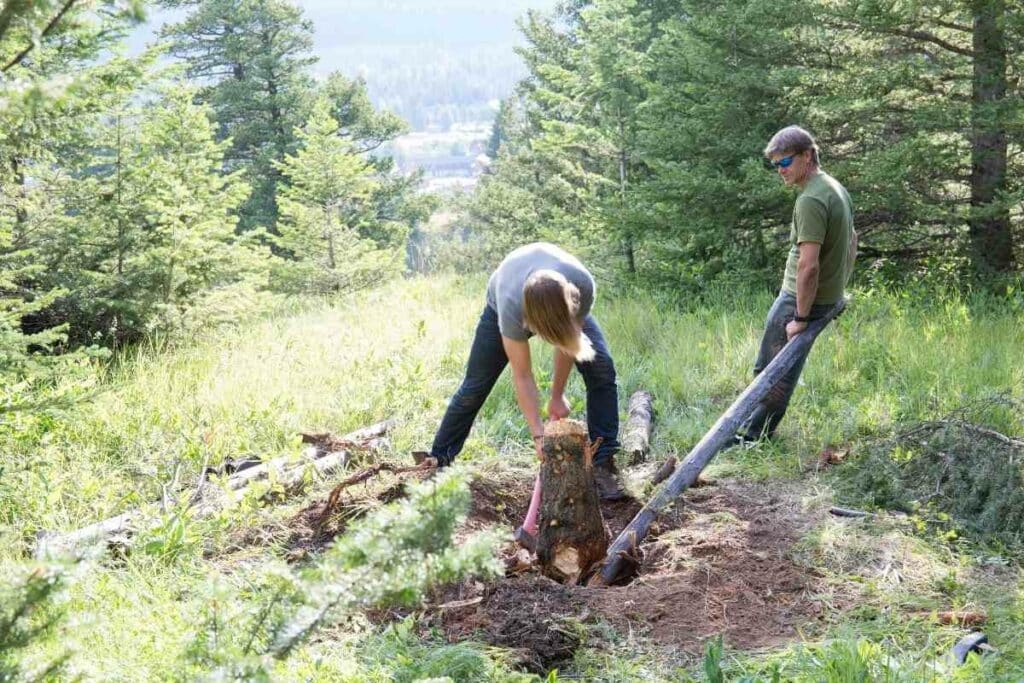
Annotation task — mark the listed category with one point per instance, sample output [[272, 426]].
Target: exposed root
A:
[[333, 498]]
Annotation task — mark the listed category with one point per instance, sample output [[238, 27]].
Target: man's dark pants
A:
[[769, 413], [487, 360]]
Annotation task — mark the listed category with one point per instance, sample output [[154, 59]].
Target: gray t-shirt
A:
[[505, 288]]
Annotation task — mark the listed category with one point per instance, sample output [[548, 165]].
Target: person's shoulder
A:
[[827, 185], [811, 198]]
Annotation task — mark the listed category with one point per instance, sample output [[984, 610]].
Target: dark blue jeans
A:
[[487, 360], [769, 413]]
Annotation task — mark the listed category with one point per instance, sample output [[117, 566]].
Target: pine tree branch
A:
[[953, 26], [927, 38], [49, 27]]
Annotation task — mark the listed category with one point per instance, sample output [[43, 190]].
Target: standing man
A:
[[823, 247], [539, 289]]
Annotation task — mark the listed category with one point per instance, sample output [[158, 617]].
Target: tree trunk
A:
[[20, 212], [572, 536], [624, 550], [636, 440], [991, 237]]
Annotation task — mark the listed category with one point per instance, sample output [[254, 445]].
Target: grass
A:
[[398, 352]]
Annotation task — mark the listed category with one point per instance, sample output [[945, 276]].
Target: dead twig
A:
[[198, 493], [331, 505], [665, 471], [984, 431]]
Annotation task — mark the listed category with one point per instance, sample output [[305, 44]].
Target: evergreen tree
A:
[[924, 109], [358, 121], [149, 228], [644, 120], [328, 214], [253, 57], [27, 614], [719, 80], [51, 80]]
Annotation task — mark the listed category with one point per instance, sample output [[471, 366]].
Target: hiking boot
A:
[[609, 486]]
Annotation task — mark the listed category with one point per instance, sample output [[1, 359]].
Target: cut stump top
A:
[[565, 428]]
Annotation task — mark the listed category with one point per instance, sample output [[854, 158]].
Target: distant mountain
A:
[[434, 62]]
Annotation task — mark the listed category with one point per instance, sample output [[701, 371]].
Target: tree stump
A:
[[636, 439], [572, 536]]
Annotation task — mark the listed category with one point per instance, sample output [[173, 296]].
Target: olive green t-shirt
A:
[[822, 214]]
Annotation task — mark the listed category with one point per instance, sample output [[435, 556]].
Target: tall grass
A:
[[157, 414]]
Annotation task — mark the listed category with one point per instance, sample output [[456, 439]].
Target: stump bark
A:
[[572, 536], [636, 438]]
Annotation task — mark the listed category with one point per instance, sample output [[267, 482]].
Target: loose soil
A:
[[718, 564]]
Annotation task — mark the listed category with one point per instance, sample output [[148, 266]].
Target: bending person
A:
[[539, 289]]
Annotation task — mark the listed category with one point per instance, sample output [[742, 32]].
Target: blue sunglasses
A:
[[784, 162]]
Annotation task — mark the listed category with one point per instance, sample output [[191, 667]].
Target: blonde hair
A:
[[551, 306]]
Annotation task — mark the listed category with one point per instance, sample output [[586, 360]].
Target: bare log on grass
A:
[[211, 499], [636, 439], [625, 548], [847, 512], [571, 536]]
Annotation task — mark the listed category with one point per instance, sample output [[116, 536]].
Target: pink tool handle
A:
[[530, 523]]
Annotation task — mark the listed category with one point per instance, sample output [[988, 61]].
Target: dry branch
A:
[[332, 498], [213, 498]]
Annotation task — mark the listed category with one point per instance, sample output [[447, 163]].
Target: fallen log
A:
[[636, 438], [847, 512], [211, 498], [571, 535], [625, 547]]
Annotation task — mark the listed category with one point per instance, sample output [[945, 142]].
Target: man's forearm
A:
[[526, 396], [806, 290]]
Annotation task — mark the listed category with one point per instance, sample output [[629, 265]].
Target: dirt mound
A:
[[717, 564], [499, 498], [534, 616], [721, 566]]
